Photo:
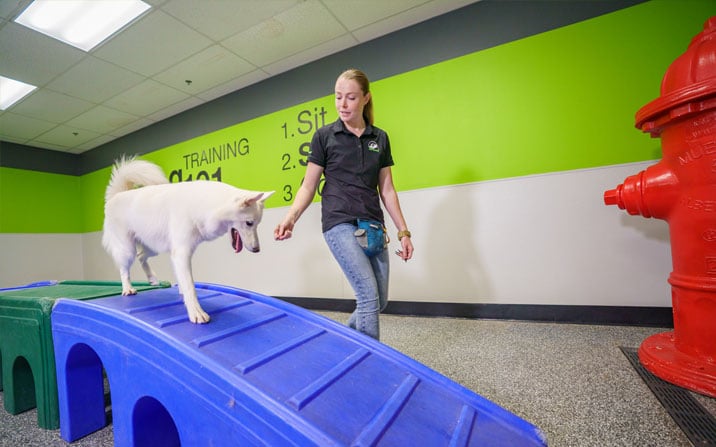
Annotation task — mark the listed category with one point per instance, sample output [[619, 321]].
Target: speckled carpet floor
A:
[[571, 381]]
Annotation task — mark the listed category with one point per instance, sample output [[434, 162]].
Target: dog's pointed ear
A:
[[259, 197], [266, 195]]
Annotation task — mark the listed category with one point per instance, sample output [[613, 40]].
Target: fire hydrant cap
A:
[[689, 80]]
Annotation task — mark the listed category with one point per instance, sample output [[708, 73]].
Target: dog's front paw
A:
[[198, 316], [129, 291], [154, 281]]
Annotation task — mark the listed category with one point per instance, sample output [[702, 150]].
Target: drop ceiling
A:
[[178, 55]]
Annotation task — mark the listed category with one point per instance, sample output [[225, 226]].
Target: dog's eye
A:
[[249, 223]]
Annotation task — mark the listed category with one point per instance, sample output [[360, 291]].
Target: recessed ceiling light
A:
[[11, 91], [80, 23]]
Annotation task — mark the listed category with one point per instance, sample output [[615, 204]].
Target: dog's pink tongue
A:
[[236, 240]]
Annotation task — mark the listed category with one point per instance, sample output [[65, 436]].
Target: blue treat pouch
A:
[[371, 236]]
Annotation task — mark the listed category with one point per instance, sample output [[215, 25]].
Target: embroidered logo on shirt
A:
[[373, 146]]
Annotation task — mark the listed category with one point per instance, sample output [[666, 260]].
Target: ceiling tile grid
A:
[[178, 55]]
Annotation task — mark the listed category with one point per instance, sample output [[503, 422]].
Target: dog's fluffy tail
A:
[[129, 173]]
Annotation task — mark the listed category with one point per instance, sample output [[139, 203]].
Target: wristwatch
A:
[[403, 233]]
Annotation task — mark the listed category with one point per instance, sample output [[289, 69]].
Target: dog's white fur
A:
[[145, 215]]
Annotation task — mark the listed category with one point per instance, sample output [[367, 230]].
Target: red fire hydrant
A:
[[681, 189]]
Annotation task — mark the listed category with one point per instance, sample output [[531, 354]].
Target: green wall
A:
[[560, 100], [37, 202]]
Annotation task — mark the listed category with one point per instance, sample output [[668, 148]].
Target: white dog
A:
[[145, 215]]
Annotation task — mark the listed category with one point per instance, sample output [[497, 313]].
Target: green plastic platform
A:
[[27, 359]]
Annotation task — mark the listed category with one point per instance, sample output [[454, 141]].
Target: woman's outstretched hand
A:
[[283, 231]]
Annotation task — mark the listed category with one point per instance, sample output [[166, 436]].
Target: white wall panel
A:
[[27, 258], [545, 239]]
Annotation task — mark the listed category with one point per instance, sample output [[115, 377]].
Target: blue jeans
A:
[[367, 275]]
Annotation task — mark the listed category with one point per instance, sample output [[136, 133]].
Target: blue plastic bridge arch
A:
[[262, 372]]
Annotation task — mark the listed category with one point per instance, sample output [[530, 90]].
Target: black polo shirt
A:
[[350, 167]]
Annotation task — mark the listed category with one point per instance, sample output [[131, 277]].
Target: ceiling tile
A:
[[407, 18], [102, 119], [156, 3], [146, 98], [305, 25], [356, 14], [173, 109], [51, 106], [102, 139], [65, 136], [9, 9], [220, 19], [95, 80], [234, 85], [312, 54], [435, 8], [31, 57], [48, 146], [131, 127], [22, 127], [211, 67], [9, 139], [155, 43]]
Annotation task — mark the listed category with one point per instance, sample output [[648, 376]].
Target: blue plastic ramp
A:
[[262, 372]]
